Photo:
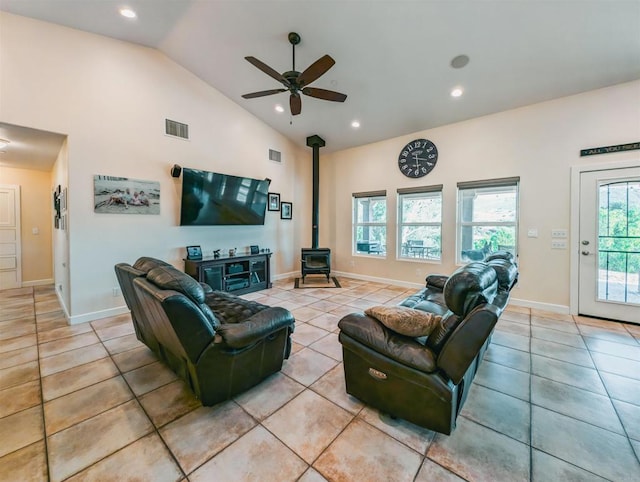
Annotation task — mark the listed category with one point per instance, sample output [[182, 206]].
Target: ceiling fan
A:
[[296, 82]]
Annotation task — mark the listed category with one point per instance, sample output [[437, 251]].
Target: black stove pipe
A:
[[315, 142]]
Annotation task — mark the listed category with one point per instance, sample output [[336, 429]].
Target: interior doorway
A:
[[609, 244], [10, 241]]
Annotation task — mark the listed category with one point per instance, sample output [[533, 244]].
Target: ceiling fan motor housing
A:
[[292, 77]]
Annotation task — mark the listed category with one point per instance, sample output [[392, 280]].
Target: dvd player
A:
[[236, 284]]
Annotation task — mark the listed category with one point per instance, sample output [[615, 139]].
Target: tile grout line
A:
[[137, 399], [44, 426], [611, 399], [357, 416], [121, 374], [530, 401], [354, 416]]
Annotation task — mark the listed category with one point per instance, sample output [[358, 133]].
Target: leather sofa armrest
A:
[[373, 334], [256, 327], [206, 288], [436, 281], [465, 342]]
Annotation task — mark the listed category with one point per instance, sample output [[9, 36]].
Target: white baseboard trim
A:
[[376, 279], [97, 315], [537, 305], [63, 306], [291, 274], [38, 282], [405, 284], [561, 309]]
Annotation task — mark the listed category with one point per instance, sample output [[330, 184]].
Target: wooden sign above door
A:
[[606, 150]]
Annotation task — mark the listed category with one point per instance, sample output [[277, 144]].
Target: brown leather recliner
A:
[[426, 380], [220, 344], [126, 274]]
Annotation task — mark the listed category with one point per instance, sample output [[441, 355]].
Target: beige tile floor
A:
[[556, 398]]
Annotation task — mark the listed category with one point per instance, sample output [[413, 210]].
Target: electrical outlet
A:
[[559, 244], [115, 291], [558, 233]]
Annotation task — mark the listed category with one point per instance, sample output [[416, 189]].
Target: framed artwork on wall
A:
[[121, 195], [286, 210], [274, 201]]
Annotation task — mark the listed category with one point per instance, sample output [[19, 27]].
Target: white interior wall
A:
[[60, 237], [111, 98], [539, 143]]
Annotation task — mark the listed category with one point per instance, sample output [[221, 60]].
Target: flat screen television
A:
[[213, 199]]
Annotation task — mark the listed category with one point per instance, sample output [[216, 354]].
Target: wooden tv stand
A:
[[235, 274]]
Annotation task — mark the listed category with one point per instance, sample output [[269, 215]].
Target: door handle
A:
[[585, 253]]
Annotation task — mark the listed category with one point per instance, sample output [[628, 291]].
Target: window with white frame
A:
[[370, 223], [487, 218], [420, 223]]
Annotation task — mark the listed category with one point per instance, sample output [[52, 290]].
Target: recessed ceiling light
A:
[[128, 13], [457, 92], [459, 61], [4, 143], [355, 124], [279, 108]]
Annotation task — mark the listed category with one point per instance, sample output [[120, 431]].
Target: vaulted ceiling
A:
[[393, 57]]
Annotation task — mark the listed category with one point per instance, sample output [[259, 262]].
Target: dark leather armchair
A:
[[426, 380], [220, 344], [126, 274]]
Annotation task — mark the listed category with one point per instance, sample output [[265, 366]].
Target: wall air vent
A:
[[275, 155], [176, 129]]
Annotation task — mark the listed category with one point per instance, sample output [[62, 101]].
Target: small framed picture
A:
[[286, 210], [255, 249], [194, 252], [274, 201]]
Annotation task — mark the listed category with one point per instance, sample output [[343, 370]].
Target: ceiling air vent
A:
[[176, 129], [275, 155]]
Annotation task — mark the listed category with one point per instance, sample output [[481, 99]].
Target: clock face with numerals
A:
[[418, 158]]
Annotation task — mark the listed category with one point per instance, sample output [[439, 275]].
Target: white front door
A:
[[609, 266], [10, 262]]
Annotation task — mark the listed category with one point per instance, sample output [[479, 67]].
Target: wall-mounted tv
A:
[[213, 199]]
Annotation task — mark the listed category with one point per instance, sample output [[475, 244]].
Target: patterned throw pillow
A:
[[405, 321]]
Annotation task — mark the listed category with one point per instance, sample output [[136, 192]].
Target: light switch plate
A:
[[532, 233], [559, 244], [558, 233]]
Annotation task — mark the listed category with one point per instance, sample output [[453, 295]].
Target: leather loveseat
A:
[[426, 380], [220, 344]]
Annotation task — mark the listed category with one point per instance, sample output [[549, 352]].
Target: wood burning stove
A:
[[316, 261]]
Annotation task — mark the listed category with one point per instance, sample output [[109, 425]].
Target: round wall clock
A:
[[418, 158]]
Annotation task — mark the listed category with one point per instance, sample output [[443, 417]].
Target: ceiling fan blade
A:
[[268, 70], [295, 103], [324, 94], [315, 70], [262, 93]]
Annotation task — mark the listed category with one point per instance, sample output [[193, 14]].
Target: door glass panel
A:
[[619, 242]]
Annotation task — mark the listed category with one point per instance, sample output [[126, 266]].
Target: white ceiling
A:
[[29, 148], [392, 56]]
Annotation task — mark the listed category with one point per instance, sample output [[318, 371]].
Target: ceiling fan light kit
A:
[[295, 82]]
